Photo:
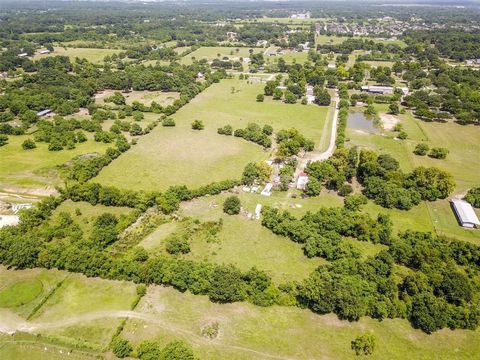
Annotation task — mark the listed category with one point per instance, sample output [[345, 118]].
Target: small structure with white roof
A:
[[302, 181], [9, 220], [267, 191], [258, 210], [465, 213]]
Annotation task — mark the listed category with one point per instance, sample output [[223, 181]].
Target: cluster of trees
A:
[[256, 172], [253, 132], [150, 350], [291, 142], [389, 187], [342, 116]]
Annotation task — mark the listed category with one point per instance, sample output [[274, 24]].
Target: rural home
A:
[[373, 89], [465, 213], [302, 181]]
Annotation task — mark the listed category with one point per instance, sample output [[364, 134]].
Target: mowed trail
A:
[[11, 323]]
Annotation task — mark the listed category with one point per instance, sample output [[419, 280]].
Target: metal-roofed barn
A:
[[465, 213]]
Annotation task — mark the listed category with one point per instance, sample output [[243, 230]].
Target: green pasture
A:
[[250, 332], [180, 155], [36, 168], [213, 52], [95, 56]]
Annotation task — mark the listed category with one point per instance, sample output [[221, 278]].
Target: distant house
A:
[[44, 112], [45, 52], [9, 220], [331, 66], [267, 191], [465, 213], [22, 55], [246, 60], [302, 181], [232, 35], [17, 207], [200, 75]]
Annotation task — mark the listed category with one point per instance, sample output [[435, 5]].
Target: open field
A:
[[250, 332], [245, 331], [210, 53], [36, 168], [169, 156], [437, 215], [95, 56], [145, 97]]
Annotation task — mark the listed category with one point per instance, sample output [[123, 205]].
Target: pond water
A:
[[358, 121]]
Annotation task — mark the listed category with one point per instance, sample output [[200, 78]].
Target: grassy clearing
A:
[[95, 56], [210, 53], [88, 212], [22, 291], [68, 313], [36, 167], [145, 97], [250, 332], [180, 155]]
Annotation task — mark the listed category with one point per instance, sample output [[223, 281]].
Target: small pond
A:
[[358, 121]]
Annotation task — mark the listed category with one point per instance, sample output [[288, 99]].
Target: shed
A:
[[302, 181], [465, 213]]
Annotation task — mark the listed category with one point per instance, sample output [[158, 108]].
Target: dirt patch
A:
[[389, 121]]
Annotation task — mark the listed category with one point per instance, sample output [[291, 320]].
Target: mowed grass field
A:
[[35, 168], [462, 162], [182, 156], [210, 53], [145, 97], [95, 56], [250, 332]]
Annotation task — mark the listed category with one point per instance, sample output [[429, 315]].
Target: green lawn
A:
[[145, 97], [180, 155], [210, 53], [36, 168], [84, 311], [22, 291], [95, 56], [250, 332]]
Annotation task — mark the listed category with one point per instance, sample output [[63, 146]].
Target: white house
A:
[[302, 181], [373, 89], [45, 52], [465, 213], [22, 55]]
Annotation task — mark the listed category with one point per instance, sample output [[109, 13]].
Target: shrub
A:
[[3, 139], [364, 344], [345, 189], [198, 125], [177, 350], [260, 98], [402, 135], [29, 144], [438, 153], [168, 122], [226, 130], [421, 149], [138, 116], [121, 347], [267, 130], [473, 197], [231, 205], [177, 244], [394, 109]]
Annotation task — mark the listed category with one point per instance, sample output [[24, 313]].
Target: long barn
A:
[[465, 213]]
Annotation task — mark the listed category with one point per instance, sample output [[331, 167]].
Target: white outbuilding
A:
[[465, 213], [9, 220]]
